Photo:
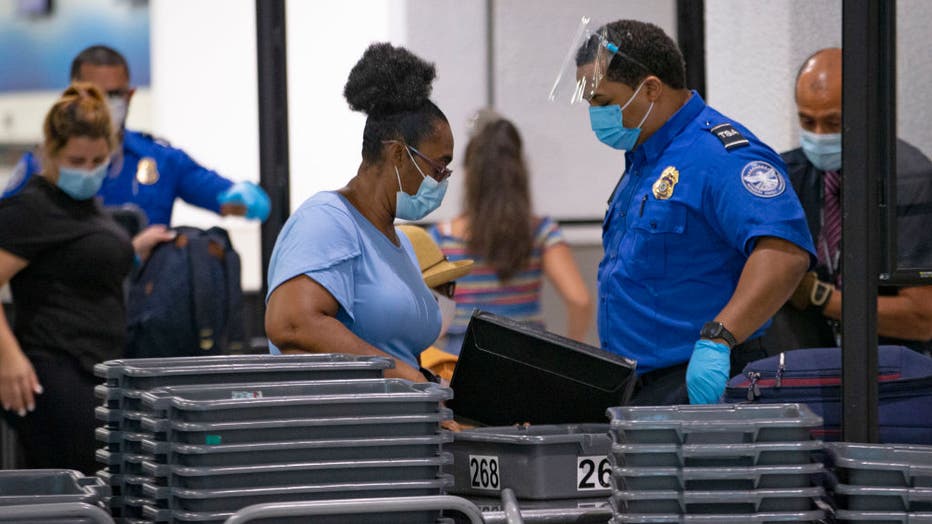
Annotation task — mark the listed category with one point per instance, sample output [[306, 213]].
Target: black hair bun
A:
[[388, 80]]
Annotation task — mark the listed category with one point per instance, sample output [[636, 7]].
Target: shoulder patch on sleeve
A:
[[17, 176], [762, 179], [731, 138]]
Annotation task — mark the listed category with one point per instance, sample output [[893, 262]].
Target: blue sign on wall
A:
[[38, 45]]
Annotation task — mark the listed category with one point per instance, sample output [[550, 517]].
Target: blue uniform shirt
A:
[[178, 176], [382, 296], [679, 229]]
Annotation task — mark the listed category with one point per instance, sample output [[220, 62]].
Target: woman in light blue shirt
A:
[[341, 279]]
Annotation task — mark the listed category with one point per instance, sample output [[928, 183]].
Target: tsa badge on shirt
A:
[[762, 179], [666, 182], [147, 171]]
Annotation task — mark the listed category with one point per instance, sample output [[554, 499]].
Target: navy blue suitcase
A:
[[813, 377]]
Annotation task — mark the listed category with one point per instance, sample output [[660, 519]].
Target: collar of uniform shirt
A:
[[654, 146]]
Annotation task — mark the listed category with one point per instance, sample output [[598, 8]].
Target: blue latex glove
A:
[[707, 373], [250, 195]]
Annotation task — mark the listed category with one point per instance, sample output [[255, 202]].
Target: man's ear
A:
[[654, 88], [129, 95]]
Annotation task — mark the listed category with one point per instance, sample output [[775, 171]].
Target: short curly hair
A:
[[392, 86], [644, 49]]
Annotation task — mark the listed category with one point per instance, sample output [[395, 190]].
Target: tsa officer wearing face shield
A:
[[904, 315], [704, 239], [145, 171]]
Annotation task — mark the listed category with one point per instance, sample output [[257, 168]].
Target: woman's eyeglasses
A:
[[439, 171]]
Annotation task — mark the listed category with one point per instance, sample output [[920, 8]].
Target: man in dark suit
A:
[[812, 315]]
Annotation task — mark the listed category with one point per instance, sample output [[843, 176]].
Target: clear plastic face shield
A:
[[586, 63], [591, 49]]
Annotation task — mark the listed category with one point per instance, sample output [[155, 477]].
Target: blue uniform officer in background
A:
[[704, 238], [145, 171]]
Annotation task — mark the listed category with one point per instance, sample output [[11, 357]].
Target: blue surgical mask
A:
[[81, 184], [429, 196], [607, 124], [823, 150]]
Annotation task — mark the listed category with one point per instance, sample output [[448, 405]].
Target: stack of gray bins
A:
[[122, 410], [21, 489], [715, 463], [543, 462], [882, 483], [219, 448]]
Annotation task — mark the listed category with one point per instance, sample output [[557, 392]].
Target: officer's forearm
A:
[[769, 277]]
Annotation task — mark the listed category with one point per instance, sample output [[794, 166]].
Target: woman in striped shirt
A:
[[513, 249]]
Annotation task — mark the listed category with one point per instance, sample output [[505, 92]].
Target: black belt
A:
[[748, 346]]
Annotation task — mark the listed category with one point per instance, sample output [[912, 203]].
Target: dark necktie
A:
[[830, 236]]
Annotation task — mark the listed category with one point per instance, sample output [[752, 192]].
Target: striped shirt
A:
[[517, 298]]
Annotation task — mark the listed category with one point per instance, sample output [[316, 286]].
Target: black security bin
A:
[[509, 372]]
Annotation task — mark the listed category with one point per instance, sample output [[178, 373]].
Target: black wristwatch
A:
[[716, 329]]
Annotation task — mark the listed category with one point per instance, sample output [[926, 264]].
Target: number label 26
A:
[[593, 473], [484, 472]]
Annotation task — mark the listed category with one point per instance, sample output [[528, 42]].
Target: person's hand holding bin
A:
[[707, 373]]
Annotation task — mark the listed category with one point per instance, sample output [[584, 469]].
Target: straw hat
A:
[[435, 268]]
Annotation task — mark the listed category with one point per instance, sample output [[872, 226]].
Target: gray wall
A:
[[914, 73], [753, 50]]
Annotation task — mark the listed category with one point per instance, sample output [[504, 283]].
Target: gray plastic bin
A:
[[51, 513], [874, 498], [268, 475], [120, 420], [130, 507], [131, 399], [246, 432], [427, 517], [231, 500], [748, 478], [589, 510], [408, 517], [324, 398], [49, 486], [121, 441], [882, 464], [715, 455], [712, 424], [149, 373], [882, 517], [725, 502], [384, 510], [751, 518], [537, 462], [120, 463], [192, 455]]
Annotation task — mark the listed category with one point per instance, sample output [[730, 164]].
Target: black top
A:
[[70, 296], [793, 329]]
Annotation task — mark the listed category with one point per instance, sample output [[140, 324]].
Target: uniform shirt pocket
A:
[[647, 246]]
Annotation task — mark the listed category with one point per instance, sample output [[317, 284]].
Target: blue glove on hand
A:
[[250, 195], [707, 373]]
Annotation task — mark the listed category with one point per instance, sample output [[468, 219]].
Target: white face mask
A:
[[447, 312]]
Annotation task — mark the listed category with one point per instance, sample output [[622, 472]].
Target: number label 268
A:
[[593, 473], [484, 472]]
